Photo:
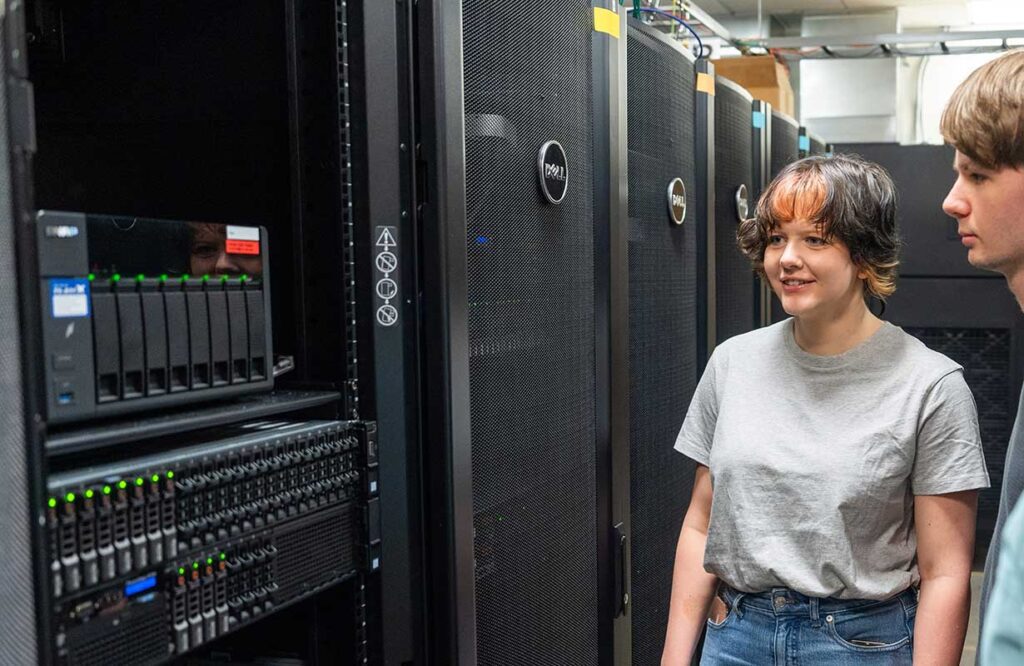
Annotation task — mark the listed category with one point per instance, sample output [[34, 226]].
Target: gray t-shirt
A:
[[815, 460]]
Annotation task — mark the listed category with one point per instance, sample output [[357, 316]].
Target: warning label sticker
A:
[[385, 262], [241, 246]]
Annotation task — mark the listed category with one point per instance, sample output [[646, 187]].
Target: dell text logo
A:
[[677, 200], [553, 171]]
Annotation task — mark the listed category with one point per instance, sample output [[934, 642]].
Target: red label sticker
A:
[[242, 247]]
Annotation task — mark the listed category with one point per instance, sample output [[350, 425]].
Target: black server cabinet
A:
[[22, 618], [672, 109], [818, 145], [963, 312], [785, 149], [522, 223], [762, 175], [785, 142], [259, 118], [810, 143], [737, 130]]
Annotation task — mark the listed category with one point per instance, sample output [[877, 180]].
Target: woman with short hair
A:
[[832, 514]]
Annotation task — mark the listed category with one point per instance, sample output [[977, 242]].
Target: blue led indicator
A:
[[805, 142], [759, 119], [133, 587], [482, 240]]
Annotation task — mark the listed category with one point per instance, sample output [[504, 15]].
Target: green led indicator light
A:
[[139, 481], [122, 484], [52, 503], [209, 560], [223, 278], [195, 565], [116, 277], [70, 497], [206, 278], [140, 277], [244, 277], [170, 474], [163, 277], [92, 276], [89, 493], [223, 556], [106, 490], [181, 571], [184, 278], [155, 478]]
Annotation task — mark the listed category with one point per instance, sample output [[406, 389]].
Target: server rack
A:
[[785, 148], [738, 290], [810, 143], [671, 115], [785, 141], [762, 176], [521, 238], [275, 134]]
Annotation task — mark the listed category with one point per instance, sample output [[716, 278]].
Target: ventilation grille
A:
[[734, 166], [528, 80], [315, 554], [985, 355], [142, 639], [785, 144], [663, 287]]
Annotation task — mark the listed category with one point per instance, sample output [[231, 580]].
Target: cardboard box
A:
[[763, 76]]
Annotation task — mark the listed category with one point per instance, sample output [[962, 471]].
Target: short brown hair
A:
[[984, 118], [848, 198]]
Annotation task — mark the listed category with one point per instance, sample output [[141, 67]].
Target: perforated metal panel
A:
[[734, 166], [785, 143], [663, 287], [985, 354], [18, 610], [527, 77]]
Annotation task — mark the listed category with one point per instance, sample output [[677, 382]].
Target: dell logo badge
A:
[[552, 167], [677, 201]]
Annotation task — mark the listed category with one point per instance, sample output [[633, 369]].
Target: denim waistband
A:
[[784, 601]]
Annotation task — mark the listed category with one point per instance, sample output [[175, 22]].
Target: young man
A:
[[984, 121]]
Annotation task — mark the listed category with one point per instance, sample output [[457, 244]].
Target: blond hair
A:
[[984, 118]]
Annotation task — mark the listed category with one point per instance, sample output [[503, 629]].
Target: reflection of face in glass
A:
[[208, 255]]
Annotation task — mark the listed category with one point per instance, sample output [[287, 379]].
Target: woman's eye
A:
[[774, 240], [815, 241], [205, 250]]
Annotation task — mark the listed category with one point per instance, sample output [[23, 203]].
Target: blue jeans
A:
[[786, 628]]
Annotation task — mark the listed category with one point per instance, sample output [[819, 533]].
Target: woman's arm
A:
[[945, 548], [693, 589]]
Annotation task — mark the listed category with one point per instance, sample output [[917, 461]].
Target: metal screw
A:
[[828, 618]]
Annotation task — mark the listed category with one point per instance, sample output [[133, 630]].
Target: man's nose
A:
[[955, 205]]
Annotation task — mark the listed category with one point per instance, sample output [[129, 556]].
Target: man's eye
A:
[[816, 241], [205, 250], [774, 240], [977, 177]]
